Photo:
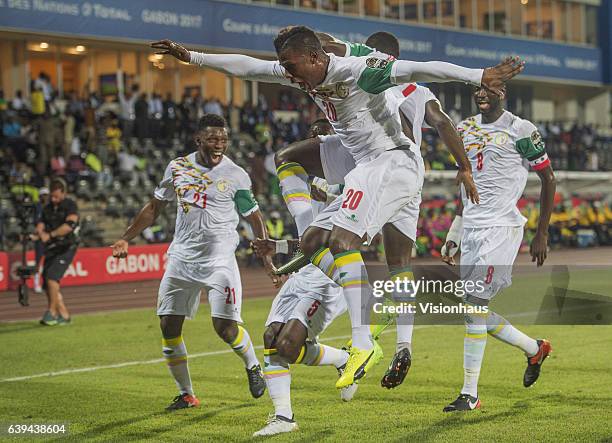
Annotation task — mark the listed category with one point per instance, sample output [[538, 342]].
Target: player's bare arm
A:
[[258, 225], [330, 44], [437, 118], [539, 244], [145, 218], [269, 247], [453, 238]]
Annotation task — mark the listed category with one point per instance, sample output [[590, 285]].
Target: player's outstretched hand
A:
[[538, 248], [120, 248], [174, 49], [449, 249], [465, 177], [494, 78], [264, 247]]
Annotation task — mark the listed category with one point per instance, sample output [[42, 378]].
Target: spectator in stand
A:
[[126, 165], [276, 226], [141, 112], [128, 114], [69, 127], [18, 103], [38, 102], [213, 106], [113, 137], [44, 83], [49, 137], [169, 119], [185, 117], [156, 111], [11, 128]]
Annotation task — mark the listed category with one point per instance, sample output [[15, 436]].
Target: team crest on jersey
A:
[[339, 90], [501, 138], [376, 63], [342, 90], [222, 185]]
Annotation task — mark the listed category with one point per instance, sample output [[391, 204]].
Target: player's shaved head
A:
[[211, 121], [296, 37], [384, 42], [320, 127]]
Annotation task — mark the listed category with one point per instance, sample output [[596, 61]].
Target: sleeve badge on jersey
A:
[[536, 139], [376, 63], [342, 90]]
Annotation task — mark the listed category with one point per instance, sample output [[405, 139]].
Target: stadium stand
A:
[[112, 163]]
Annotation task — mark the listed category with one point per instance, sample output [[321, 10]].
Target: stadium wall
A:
[[223, 25], [92, 266]]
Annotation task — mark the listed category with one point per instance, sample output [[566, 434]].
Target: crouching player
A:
[[306, 304], [211, 191]]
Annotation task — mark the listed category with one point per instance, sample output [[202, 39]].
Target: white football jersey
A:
[[357, 99], [413, 100], [500, 154], [208, 203]]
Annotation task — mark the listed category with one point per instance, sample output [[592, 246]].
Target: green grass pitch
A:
[[572, 401]]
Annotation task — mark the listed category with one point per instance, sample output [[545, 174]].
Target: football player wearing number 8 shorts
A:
[[501, 148], [210, 191]]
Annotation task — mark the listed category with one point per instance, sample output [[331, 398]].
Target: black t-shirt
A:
[[55, 216]]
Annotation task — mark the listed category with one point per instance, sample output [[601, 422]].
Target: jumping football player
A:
[[326, 155], [501, 148], [211, 191], [388, 177]]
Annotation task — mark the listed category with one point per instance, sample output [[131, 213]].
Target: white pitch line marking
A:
[[155, 361]]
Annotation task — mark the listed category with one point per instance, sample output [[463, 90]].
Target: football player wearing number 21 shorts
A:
[[501, 148], [210, 191]]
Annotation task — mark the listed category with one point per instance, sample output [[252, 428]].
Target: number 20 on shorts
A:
[[352, 200]]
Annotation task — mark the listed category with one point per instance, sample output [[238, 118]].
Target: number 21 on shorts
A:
[[231, 296]]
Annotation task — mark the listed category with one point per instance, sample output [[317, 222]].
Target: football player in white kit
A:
[[211, 191], [328, 156], [352, 91], [501, 148]]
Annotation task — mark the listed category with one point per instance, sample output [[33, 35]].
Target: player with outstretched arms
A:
[[501, 148], [354, 94], [211, 192], [419, 108]]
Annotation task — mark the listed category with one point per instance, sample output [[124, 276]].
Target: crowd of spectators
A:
[[100, 145], [575, 222]]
